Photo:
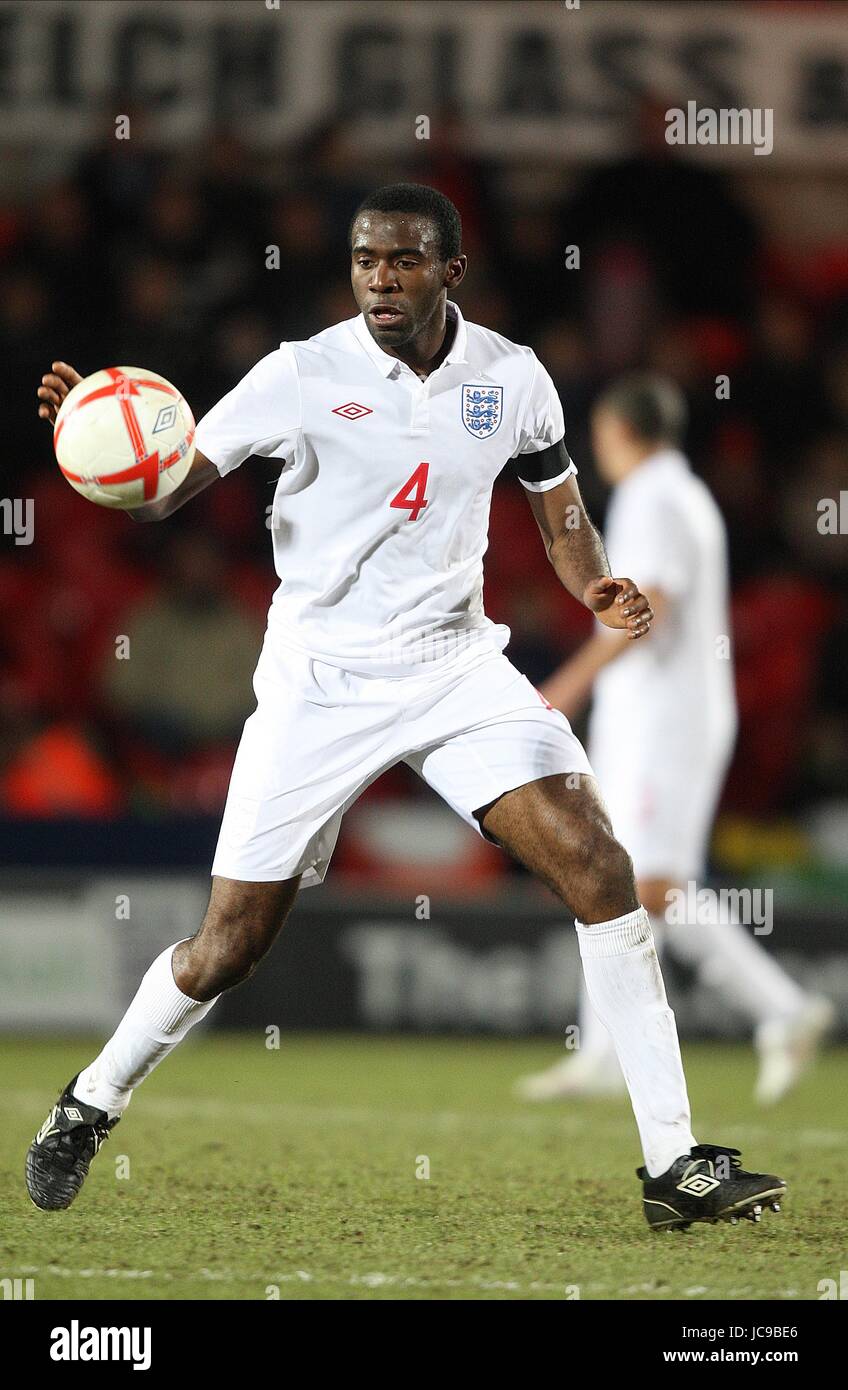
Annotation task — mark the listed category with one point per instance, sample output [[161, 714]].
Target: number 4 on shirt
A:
[[411, 494]]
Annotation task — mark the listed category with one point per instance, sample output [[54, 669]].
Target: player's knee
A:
[[225, 953], [600, 881], [621, 868], [598, 854]]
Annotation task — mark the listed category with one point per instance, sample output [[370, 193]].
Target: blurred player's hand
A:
[[54, 387], [619, 604]]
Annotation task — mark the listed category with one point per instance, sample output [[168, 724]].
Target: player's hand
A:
[[619, 604], [54, 387]]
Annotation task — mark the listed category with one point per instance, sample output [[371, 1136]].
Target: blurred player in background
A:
[[662, 767]]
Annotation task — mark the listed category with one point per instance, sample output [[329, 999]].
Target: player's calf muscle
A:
[[240, 926]]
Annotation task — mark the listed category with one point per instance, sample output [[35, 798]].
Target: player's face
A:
[[611, 445], [396, 274]]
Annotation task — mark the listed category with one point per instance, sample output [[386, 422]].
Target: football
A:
[[124, 436]]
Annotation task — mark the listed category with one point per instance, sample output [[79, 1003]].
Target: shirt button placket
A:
[[420, 417]]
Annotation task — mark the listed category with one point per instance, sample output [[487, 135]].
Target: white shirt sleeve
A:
[[542, 426], [261, 415]]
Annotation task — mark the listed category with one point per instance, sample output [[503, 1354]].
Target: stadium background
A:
[[254, 128]]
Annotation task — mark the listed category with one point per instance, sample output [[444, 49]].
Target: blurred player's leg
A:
[[789, 1022], [590, 1070], [179, 989], [665, 821], [563, 835]]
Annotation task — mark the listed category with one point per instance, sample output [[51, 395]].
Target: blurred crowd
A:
[[139, 258]]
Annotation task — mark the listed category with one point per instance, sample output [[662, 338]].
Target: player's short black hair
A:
[[417, 198], [653, 406]]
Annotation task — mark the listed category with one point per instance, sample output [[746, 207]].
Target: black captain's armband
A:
[[542, 466]]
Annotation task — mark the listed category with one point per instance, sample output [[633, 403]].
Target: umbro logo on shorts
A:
[[73, 1114], [352, 411]]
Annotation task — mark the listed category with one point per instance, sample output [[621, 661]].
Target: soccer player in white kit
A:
[[390, 429], [662, 769]]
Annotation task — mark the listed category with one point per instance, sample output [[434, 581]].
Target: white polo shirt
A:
[[380, 516]]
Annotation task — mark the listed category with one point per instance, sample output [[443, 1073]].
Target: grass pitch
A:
[[244, 1173]]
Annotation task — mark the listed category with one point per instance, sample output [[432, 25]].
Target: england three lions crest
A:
[[482, 408]]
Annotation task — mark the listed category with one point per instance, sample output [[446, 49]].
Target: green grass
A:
[[251, 1168]]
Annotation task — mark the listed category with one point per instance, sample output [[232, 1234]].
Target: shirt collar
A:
[[666, 454], [386, 364]]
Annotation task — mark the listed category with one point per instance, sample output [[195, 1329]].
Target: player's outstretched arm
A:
[[569, 687], [55, 386], [199, 476], [576, 551]]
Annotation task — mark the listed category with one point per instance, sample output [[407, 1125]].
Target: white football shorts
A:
[[662, 811], [320, 735]]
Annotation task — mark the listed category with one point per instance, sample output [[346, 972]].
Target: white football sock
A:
[[625, 985], [158, 1018], [595, 1041], [730, 960]]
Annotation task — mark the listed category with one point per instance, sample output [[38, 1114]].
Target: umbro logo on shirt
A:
[[352, 411]]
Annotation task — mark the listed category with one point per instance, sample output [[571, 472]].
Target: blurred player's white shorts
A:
[[321, 735], [662, 811]]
